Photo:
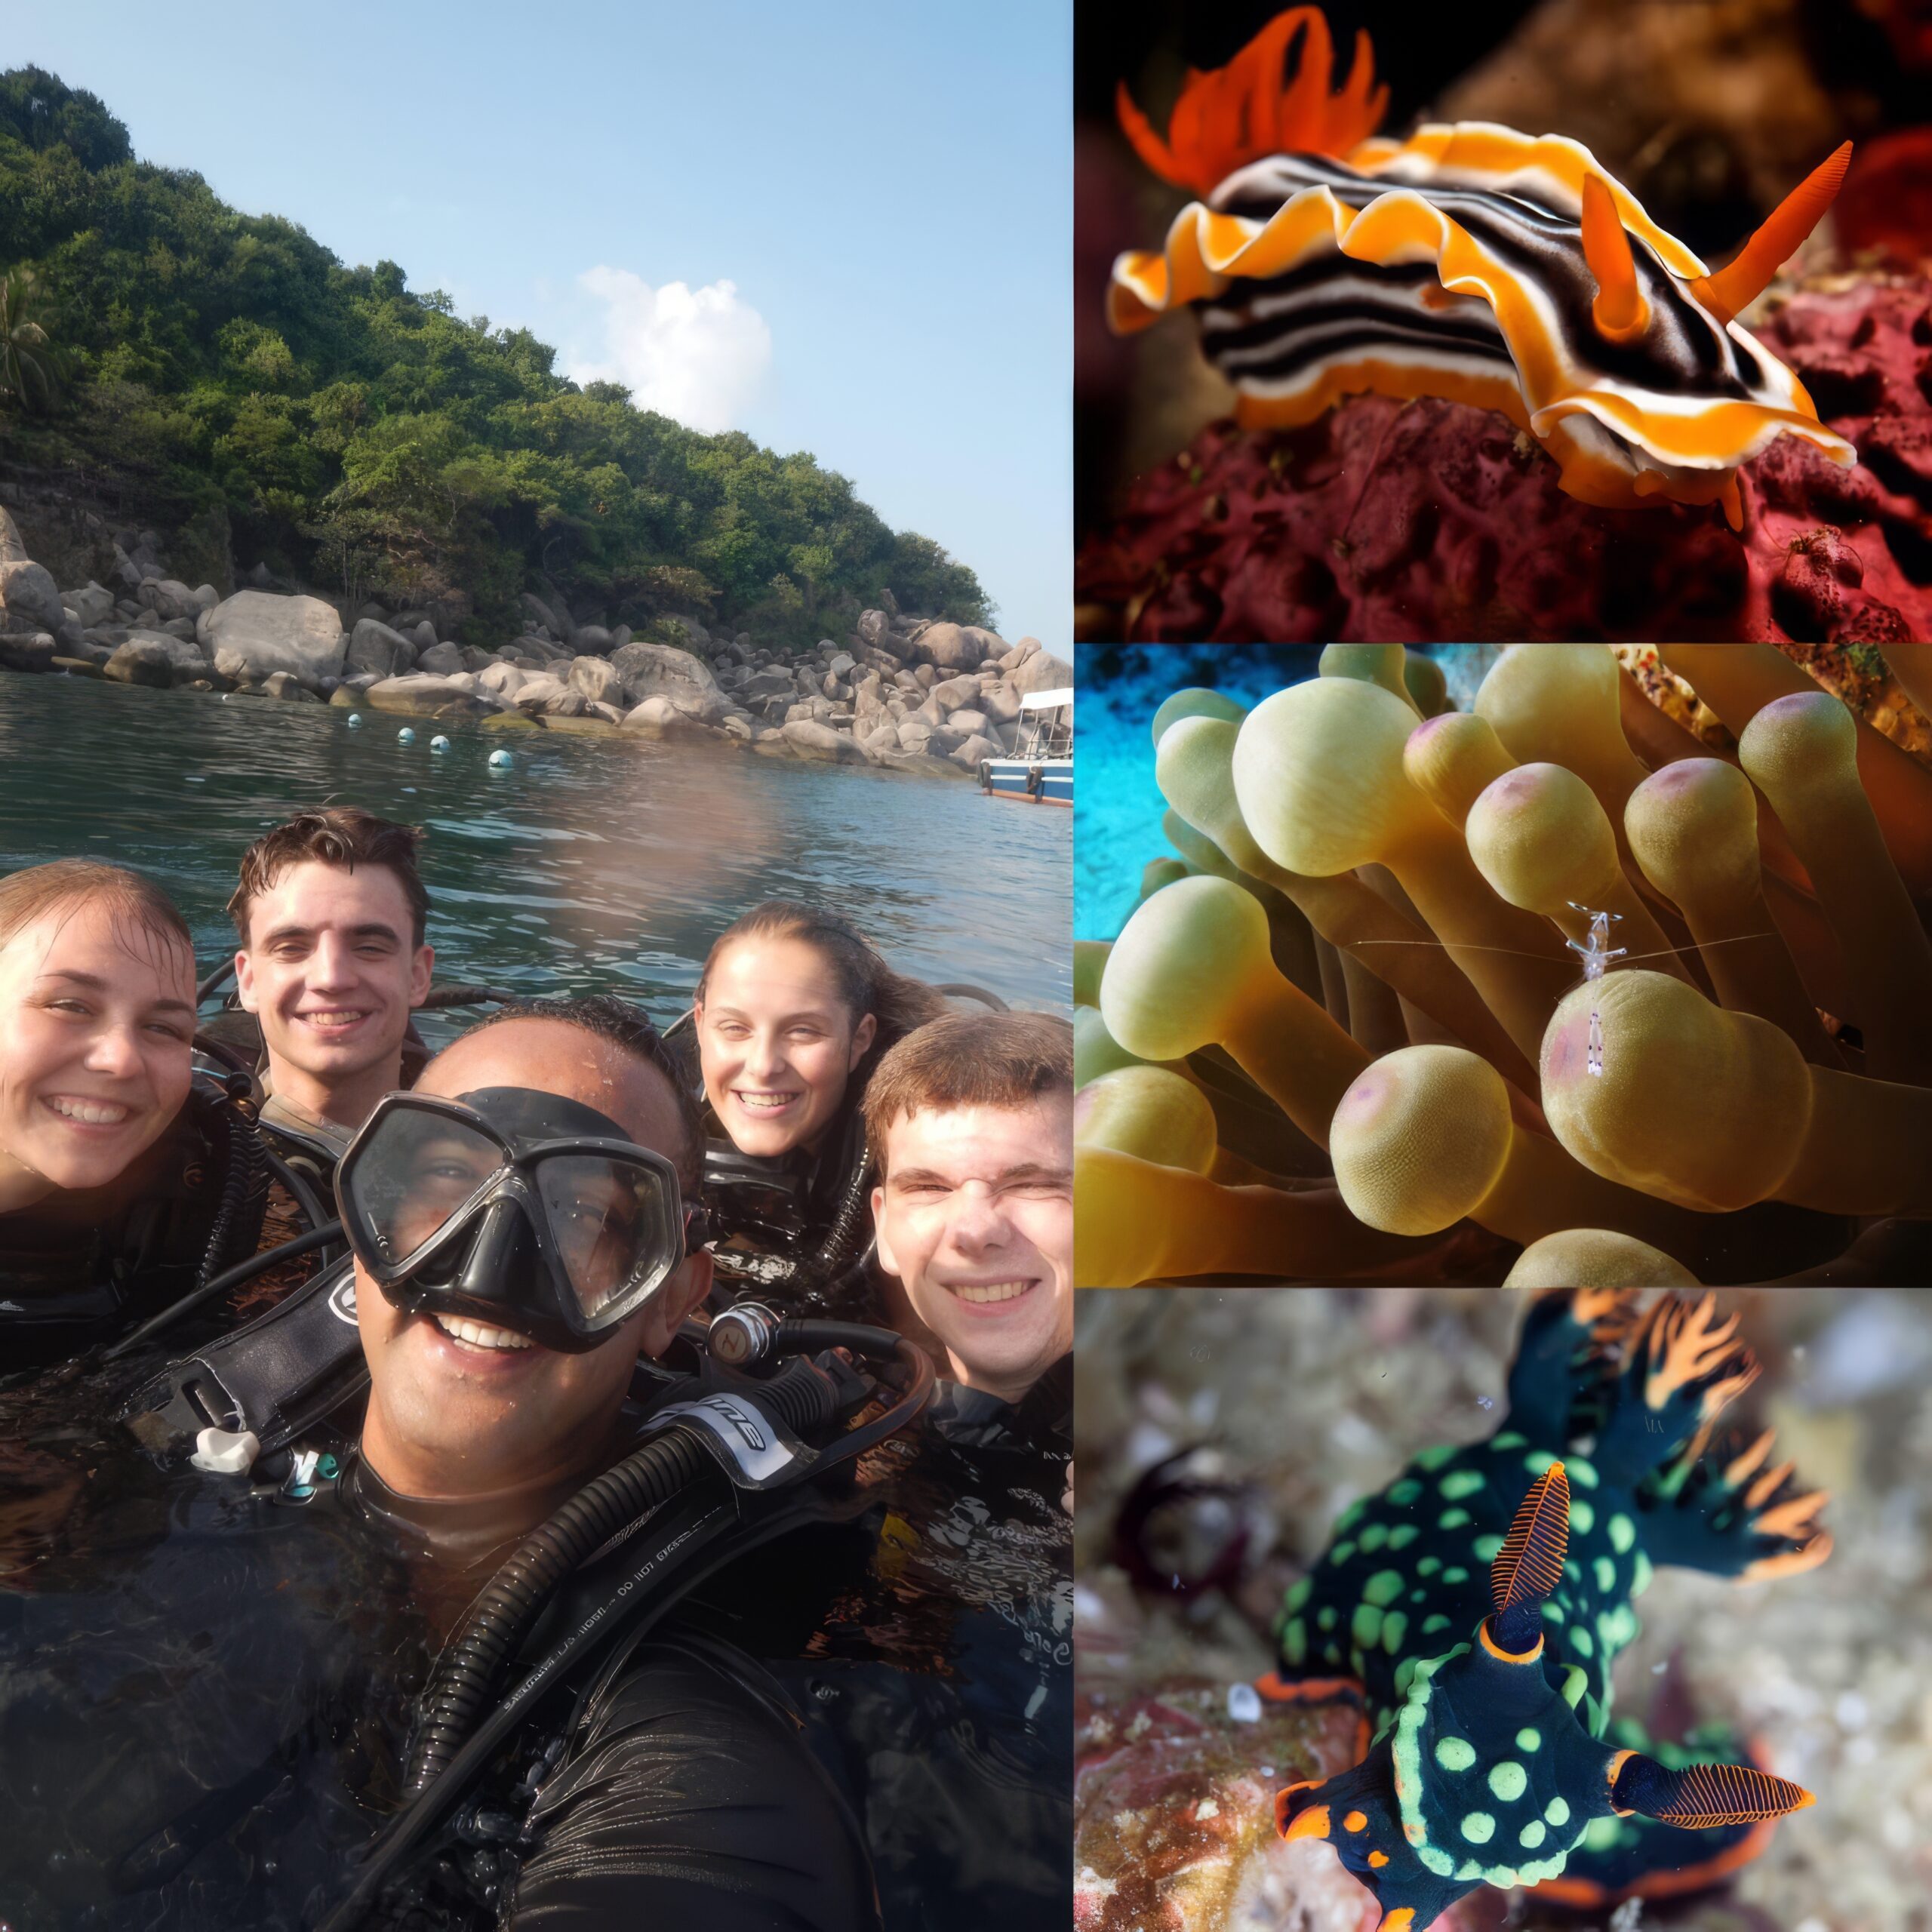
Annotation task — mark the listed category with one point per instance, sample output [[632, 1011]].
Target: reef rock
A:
[[1173, 1797], [422, 694], [1428, 520], [302, 635]]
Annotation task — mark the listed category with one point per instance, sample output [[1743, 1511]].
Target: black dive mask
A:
[[520, 1209]]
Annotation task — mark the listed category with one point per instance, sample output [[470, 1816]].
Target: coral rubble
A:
[[1433, 520]]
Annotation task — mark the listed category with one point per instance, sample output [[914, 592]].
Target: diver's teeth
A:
[[90, 1113], [464, 1329], [992, 1290]]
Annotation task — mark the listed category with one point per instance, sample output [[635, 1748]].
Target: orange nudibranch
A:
[[1468, 262]]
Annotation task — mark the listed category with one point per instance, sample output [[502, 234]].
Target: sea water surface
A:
[[592, 865]]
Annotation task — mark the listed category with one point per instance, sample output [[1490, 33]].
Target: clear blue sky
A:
[[887, 186]]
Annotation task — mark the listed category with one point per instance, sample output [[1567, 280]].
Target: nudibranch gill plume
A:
[[1475, 1606], [1468, 262]]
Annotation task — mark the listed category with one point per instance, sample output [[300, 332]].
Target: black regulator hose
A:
[[329, 1231], [697, 1537], [468, 1671], [245, 1153], [841, 1247]]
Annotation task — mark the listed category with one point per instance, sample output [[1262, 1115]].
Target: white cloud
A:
[[697, 355]]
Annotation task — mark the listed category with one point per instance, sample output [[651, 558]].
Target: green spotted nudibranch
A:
[[1476, 1606]]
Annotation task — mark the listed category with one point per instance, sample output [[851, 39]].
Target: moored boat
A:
[[1040, 770]]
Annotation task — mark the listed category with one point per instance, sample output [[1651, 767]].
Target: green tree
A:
[[29, 366], [224, 372]]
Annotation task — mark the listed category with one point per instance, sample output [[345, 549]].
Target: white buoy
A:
[[439, 743], [405, 737], [355, 721], [500, 761]]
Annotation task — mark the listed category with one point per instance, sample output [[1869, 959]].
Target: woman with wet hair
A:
[[794, 1008], [113, 1184]]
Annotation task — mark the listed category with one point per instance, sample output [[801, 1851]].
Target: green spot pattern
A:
[[1383, 1589]]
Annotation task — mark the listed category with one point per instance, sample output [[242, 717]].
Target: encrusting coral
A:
[[1692, 1111], [1433, 519]]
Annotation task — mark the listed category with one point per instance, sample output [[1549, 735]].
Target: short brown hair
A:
[[343, 835], [25, 895], [970, 1060]]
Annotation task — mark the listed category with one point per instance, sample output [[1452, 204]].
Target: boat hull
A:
[[1013, 778]]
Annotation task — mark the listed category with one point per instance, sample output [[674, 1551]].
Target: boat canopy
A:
[[1048, 700]]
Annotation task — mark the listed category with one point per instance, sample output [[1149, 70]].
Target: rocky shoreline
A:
[[912, 694]]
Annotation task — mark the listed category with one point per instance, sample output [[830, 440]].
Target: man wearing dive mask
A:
[[515, 1250], [521, 1234]]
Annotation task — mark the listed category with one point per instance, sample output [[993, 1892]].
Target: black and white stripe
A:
[[1271, 334]]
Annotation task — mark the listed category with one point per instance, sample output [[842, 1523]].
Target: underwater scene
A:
[[1534, 964], [1410, 1608], [1527, 319]]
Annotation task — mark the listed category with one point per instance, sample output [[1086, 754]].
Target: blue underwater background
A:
[[1117, 806]]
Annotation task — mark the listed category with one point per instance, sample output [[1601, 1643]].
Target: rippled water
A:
[[592, 865]]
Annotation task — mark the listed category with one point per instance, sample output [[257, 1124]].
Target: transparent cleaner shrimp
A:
[[1596, 954]]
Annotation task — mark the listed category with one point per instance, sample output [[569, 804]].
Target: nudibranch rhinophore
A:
[[1476, 1606], [1468, 262]]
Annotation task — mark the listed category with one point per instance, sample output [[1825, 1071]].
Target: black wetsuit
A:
[[204, 1699], [793, 1228], [83, 1265], [932, 1646]]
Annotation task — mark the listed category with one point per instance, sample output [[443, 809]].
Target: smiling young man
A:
[[331, 913], [501, 1331], [970, 1121]]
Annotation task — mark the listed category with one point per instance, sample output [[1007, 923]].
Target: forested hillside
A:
[[225, 376]]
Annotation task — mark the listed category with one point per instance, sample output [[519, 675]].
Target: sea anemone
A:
[[1518, 991]]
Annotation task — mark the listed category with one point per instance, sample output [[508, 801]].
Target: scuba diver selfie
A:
[[576, 1473]]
